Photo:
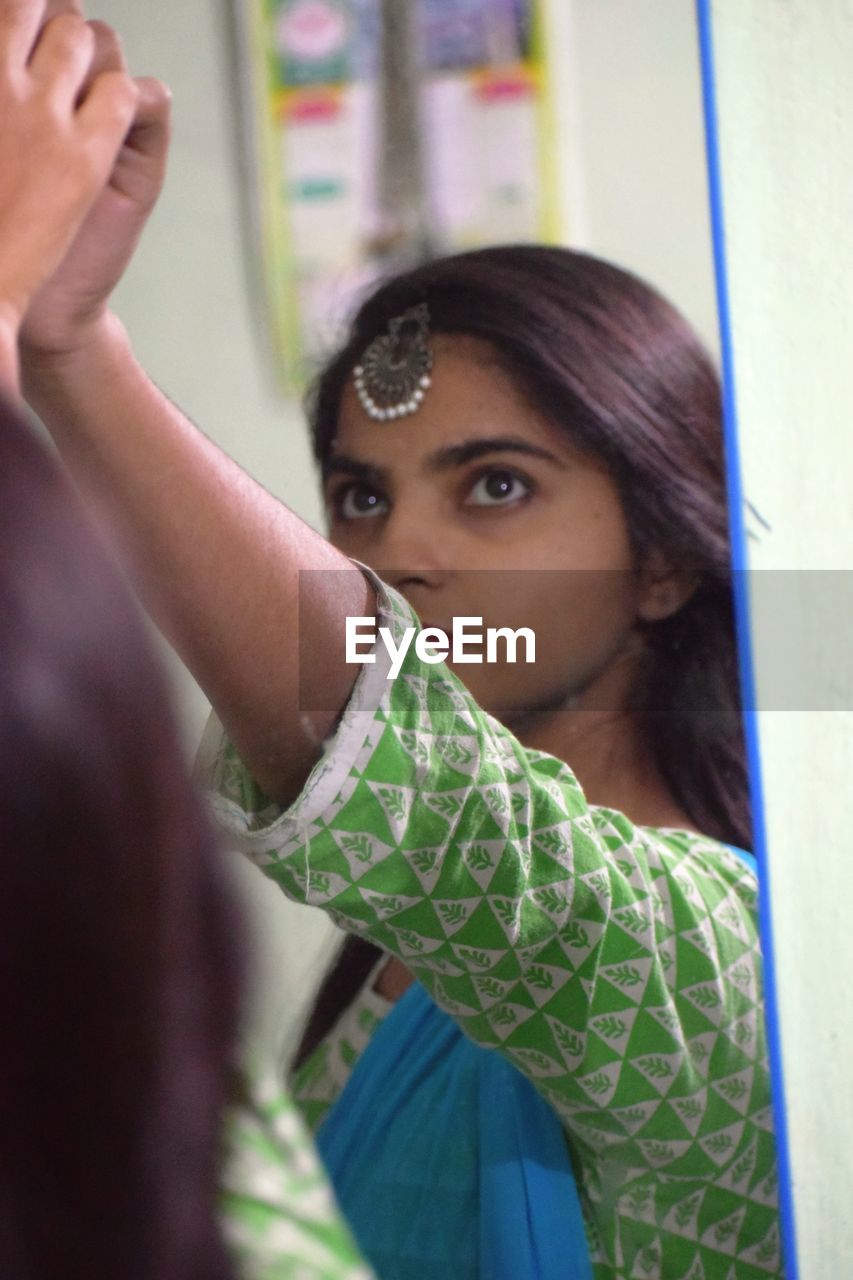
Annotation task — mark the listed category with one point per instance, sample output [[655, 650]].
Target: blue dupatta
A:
[[447, 1163]]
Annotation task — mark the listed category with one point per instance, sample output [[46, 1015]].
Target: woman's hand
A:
[[67, 311], [60, 134]]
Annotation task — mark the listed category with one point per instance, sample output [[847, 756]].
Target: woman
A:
[[563, 471], [671, 491], [585, 926]]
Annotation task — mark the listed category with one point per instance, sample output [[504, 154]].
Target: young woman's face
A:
[[474, 505]]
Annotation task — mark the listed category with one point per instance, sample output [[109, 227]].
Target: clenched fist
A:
[[61, 130], [67, 312]]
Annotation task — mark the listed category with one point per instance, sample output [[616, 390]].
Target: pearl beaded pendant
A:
[[395, 371]]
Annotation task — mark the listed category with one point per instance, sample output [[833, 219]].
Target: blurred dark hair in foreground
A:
[[119, 969]]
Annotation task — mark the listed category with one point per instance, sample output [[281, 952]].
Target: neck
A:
[[603, 744]]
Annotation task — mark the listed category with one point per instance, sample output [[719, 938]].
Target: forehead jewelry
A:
[[395, 371]]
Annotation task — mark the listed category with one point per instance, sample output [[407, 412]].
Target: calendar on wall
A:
[[314, 73]]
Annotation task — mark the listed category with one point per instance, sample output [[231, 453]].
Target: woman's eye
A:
[[498, 488], [358, 501]]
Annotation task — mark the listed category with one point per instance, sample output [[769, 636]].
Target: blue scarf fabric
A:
[[446, 1161]]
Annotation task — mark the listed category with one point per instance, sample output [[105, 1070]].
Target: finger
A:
[[54, 8], [20, 23], [63, 56], [107, 114], [108, 54], [152, 122]]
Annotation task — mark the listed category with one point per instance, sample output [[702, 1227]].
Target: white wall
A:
[[786, 134], [633, 154], [634, 184]]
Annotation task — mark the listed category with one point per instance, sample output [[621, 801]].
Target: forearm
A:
[[216, 557]]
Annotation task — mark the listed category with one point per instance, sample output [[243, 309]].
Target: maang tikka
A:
[[395, 371]]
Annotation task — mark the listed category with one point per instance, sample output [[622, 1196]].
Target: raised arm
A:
[[217, 558]]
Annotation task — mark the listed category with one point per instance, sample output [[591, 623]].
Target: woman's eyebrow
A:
[[341, 464], [456, 455]]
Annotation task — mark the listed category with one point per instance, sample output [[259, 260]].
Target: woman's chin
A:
[[513, 706]]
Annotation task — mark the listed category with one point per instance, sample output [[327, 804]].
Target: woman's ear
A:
[[663, 590]]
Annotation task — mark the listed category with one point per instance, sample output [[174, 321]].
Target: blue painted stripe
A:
[[741, 593]]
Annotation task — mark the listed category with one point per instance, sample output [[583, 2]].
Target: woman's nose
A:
[[411, 548]]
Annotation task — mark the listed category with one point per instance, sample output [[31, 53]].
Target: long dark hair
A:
[[120, 970], [604, 357]]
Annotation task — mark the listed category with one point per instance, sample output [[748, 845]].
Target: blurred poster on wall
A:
[[314, 76]]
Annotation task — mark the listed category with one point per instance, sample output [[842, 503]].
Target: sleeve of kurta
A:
[[618, 967]]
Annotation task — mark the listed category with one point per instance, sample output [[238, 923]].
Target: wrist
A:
[[99, 346]]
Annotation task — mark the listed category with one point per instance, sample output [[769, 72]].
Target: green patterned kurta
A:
[[617, 966], [279, 1216]]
